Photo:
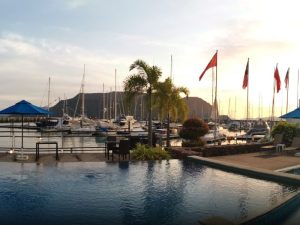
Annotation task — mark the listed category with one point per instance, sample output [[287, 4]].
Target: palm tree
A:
[[170, 103], [144, 81]]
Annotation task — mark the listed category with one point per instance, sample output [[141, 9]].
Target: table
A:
[[37, 148]]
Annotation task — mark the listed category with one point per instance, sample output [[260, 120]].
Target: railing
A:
[[91, 149]]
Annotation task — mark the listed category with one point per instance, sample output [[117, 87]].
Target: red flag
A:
[[277, 78], [212, 63], [287, 77], [245, 81]]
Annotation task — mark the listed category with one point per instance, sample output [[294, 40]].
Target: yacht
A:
[[260, 128], [214, 134]]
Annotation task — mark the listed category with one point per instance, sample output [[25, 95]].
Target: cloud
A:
[[14, 44], [74, 4], [26, 63]]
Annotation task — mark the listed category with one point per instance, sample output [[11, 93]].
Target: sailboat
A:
[[53, 124], [82, 124], [214, 134]]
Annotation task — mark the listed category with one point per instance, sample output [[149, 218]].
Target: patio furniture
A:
[[294, 146], [277, 143], [110, 145], [280, 147], [123, 149]]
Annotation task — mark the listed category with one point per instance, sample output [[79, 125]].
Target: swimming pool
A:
[[161, 192], [294, 171]]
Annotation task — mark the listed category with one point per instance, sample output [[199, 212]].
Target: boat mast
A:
[[115, 93], [142, 107], [82, 92], [259, 99], [298, 90], [64, 106], [171, 72], [103, 102], [229, 108], [48, 96], [110, 103]]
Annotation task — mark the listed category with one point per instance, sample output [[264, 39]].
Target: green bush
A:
[[288, 130], [193, 129], [142, 152], [193, 143]]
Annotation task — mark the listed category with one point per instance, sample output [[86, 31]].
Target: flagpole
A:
[[212, 88], [216, 94], [272, 115], [287, 89], [248, 94], [273, 102]]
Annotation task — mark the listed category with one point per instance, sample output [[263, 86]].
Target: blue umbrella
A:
[[292, 115], [24, 108]]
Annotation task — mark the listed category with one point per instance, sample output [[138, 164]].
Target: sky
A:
[[41, 39]]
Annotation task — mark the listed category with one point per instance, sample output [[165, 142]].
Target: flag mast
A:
[[212, 63], [272, 115], [216, 94], [212, 89], [287, 88], [246, 84], [248, 91], [277, 79]]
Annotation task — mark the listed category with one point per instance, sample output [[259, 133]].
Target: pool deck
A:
[[261, 160]]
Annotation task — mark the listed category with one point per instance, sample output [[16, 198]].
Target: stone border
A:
[[284, 170], [264, 174], [276, 212]]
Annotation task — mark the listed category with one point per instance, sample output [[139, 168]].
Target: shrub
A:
[[193, 143], [193, 129], [288, 130], [142, 152]]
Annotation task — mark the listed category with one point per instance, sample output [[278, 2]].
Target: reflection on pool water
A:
[[165, 192]]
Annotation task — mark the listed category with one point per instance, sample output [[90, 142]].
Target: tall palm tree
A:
[[169, 102], [144, 81]]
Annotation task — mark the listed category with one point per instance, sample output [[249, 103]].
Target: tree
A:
[[144, 81], [289, 131], [193, 129], [170, 103]]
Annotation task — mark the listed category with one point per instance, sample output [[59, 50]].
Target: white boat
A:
[[260, 129], [213, 136]]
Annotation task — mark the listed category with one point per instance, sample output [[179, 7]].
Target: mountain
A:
[[198, 107], [94, 106]]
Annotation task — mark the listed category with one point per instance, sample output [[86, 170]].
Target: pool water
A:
[[161, 192], [294, 171]]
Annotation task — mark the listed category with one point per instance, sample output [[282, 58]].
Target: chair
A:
[[111, 145], [294, 146], [123, 149], [278, 138]]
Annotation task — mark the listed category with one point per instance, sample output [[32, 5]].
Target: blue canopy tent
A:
[[295, 114], [24, 108]]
